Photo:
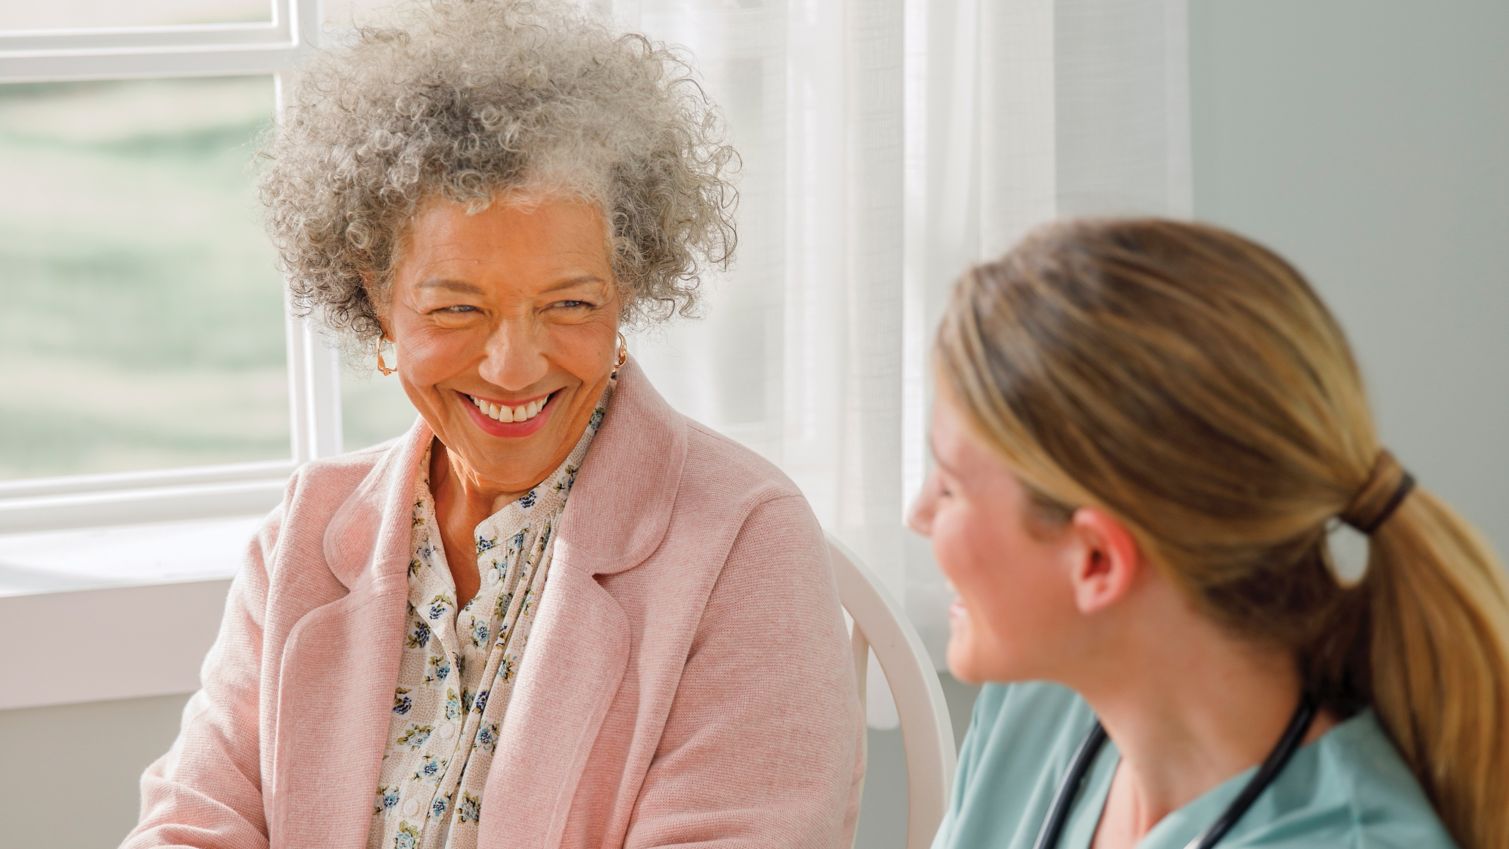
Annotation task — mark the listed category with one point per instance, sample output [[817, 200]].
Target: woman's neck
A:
[[461, 503], [465, 494], [1198, 708]]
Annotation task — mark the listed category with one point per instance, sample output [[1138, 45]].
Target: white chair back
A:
[[927, 735]]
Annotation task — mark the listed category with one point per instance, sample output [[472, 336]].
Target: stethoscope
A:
[[1058, 815]]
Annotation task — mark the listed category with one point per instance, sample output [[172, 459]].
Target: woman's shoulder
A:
[[360, 461], [1040, 704], [721, 468], [1032, 720], [1350, 788], [646, 438], [1020, 735], [370, 467], [332, 479], [1021, 739], [740, 514], [350, 489]]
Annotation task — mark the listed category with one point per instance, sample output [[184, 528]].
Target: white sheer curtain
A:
[[886, 146]]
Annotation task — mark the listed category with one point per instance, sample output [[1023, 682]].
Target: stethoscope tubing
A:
[[1068, 790]]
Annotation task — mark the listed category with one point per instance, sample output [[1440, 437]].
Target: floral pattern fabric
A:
[[458, 667]]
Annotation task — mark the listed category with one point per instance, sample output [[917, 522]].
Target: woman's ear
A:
[[1107, 562]]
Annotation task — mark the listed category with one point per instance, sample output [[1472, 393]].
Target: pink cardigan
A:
[[687, 681]]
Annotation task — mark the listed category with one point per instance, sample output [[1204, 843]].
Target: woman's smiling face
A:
[[505, 324], [1015, 601]]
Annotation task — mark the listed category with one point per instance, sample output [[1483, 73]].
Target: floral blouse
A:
[[458, 666]]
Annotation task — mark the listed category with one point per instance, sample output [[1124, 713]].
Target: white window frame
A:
[[273, 48]]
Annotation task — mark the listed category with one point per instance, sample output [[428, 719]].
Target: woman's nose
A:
[[920, 516], [515, 358]]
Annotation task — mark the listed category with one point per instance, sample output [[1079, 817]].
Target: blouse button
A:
[[411, 808], [447, 730]]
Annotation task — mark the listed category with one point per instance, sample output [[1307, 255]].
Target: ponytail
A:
[[1437, 655]]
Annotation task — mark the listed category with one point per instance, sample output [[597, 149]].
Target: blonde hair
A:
[[1190, 382]]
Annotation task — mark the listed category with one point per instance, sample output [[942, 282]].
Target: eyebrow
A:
[[579, 280], [453, 285]]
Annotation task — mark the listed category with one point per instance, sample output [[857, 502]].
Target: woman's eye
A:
[[456, 309], [573, 305]]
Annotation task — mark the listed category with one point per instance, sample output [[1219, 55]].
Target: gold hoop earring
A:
[[382, 366], [623, 353]]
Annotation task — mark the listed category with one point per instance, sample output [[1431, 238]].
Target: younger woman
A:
[[1145, 432]]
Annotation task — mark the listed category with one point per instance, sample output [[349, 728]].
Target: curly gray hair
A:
[[465, 98]]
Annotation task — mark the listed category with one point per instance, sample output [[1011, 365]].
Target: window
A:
[[143, 323], [107, 14], [150, 371]]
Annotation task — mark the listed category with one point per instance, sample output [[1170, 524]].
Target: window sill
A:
[[129, 610]]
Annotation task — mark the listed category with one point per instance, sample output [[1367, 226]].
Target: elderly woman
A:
[[556, 612]]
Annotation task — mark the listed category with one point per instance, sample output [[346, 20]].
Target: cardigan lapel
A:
[[578, 651], [579, 648], [337, 690], [340, 662]]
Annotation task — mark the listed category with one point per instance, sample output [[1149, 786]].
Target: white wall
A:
[[1368, 142], [68, 774]]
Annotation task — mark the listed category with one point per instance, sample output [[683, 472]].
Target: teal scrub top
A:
[[1350, 788]]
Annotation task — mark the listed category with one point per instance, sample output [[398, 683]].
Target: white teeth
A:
[[503, 413]]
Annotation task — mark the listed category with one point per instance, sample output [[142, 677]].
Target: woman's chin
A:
[[960, 655], [970, 660], [962, 672]]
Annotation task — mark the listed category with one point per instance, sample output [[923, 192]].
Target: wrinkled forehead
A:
[[512, 212], [533, 241]]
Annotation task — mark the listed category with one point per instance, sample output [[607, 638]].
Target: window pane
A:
[[102, 14], [142, 325], [373, 407]]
